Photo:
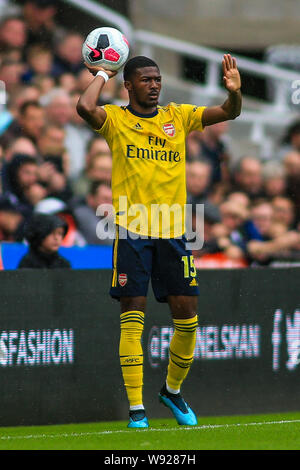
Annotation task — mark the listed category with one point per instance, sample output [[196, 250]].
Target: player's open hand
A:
[[231, 75], [94, 69]]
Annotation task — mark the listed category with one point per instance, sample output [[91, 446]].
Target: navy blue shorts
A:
[[167, 262]]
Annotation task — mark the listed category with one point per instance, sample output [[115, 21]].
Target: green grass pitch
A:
[[259, 432]]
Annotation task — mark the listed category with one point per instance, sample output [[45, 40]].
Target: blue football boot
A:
[[183, 414], [138, 419]]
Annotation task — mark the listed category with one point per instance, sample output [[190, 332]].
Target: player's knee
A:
[[183, 307], [133, 303]]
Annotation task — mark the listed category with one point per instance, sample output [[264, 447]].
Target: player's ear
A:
[[127, 85]]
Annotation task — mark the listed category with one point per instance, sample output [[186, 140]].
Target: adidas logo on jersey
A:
[[138, 127], [194, 283]]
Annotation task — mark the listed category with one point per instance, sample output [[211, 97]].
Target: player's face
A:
[[145, 87]]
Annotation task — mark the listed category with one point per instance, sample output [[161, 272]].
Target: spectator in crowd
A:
[[29, 123], [78, 134], [68, 81], [35, 193], [20, 145], [55, 206], [55, 163], [97, 144], [52, 141], [13, 34], [215, 149], [52, 177], [284, 211], [292, 166], [274, 177], [248, 177], [21, 173], [262, 214], [275, 222], [51, 148], [32, 120], [84, 78], [23, 94], [99, 168], [198, 180], [284, 247], [44, 234], [240, 198], [11, 71], [235, 230], [44, 83], [68, 57], [211, 145], [291, 163], [202, 226], [9, 115], [30, 181], [278, 229], [291, 140], [58, 106], [293, 136], [39, 17], [193, 147], [86, 214], [39, 62], [10, 220]]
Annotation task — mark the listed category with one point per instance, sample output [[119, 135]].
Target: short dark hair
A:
[[135, 63], [28, 104], [94, 185]]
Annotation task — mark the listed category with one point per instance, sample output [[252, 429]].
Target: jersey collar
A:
[[150, 115]]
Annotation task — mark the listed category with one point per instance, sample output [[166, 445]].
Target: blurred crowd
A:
[[252, 207], [52, 163]]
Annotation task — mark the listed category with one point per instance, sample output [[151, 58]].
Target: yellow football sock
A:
[[181, 351], [131, 355]]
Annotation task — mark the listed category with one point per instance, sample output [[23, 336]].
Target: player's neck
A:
[[140, 110]]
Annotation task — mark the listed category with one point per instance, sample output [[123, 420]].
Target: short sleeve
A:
[[105, 130], [192, 117]]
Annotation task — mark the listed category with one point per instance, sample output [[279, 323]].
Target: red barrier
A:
[[219, 260]]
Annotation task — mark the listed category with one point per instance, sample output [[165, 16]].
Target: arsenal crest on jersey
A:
[[169, 129], [122, 279]]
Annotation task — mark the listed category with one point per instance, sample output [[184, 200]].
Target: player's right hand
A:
[[95, 68]]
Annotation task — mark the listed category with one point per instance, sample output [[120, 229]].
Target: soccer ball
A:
[[105, 47]]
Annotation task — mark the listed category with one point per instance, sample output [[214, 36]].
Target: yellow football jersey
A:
[[148, 175]]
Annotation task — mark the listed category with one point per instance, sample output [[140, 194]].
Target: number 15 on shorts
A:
[[189, 267]]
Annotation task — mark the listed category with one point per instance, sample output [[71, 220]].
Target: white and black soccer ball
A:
[[106, 47]]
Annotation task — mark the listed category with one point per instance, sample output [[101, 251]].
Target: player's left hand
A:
[[94, 69], [231, 75]]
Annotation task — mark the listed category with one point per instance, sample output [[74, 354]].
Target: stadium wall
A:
[[223, 24], [59, 333]]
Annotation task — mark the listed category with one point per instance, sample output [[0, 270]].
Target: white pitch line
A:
[[121, 431]]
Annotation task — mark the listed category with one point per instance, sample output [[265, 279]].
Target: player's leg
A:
[[181, 354], [131, 356], [130, 279], [177, 284]]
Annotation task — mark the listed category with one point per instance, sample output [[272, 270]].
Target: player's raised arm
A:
[[87, 106], [232, 106]]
